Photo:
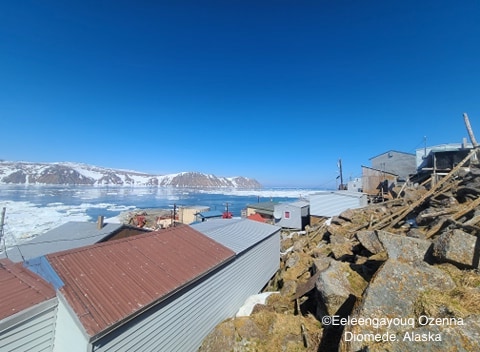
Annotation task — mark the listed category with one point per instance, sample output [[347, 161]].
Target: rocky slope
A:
[[83, 174], [402, 274]]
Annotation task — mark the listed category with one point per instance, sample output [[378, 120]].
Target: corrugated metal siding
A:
[[328, 204], [237, 235], [182, 323], [33, 331], [107, 283]]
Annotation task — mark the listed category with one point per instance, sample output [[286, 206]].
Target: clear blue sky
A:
[[273, 90]]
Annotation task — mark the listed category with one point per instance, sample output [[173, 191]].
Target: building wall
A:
[[68, 334], [328, 204], [29, 330], [187, 215], [181, 322], [295, 221], [372, 179], [401, 164]]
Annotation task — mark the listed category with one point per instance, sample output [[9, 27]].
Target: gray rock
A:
[[336, 286], [292, 260], [393, 293], [370, 241], [404, 248], [459, 248]]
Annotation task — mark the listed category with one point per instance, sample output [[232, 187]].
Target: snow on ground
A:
[[251, 301], [25, 220]]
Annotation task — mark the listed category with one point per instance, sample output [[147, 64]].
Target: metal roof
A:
[[70, 235], [107, 283], [328, 204], [236, 234], [264, 207], [21, 289], [210, 214]]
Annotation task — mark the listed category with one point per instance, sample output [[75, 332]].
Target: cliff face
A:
[[82, 174]]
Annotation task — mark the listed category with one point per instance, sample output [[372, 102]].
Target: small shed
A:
[[378, 182], [208, 215], [294, 215], [27, 309], [326, 204]]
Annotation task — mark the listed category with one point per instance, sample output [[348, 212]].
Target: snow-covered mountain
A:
[[66, 173]]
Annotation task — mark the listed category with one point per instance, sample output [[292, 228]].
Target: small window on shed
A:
[[286, 215]]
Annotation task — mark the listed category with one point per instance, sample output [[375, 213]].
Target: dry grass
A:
[[284, 332], [459, 302]]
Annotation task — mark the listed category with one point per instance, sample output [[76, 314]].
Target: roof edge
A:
[[109, 329]]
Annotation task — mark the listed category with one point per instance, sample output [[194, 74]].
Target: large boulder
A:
[[404, 248], [459, 248], [393, 294], [338, 287], [370, 241]]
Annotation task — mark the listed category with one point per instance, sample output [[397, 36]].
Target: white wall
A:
[[29, 330], [68, 336]]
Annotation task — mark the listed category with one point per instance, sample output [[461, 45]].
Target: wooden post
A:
[[469, 130]]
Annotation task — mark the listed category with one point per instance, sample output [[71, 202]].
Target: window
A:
[[286, 215]]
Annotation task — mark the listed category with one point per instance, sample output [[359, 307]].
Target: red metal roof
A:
[[108, 282], [20, 288], [257, 217]]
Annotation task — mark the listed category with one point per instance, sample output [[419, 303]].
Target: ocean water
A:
[[33, 210]]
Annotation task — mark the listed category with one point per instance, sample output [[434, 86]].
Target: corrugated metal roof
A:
[[299, 203], [333, 203], [236, 234], [70, 235], [108, 282], [20, 288]]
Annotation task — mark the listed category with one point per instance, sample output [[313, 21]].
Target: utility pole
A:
[[174, 214], [341, 173]]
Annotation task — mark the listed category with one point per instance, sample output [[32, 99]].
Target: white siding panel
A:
[[68, 335], [182, 322], [333, 203], [34, 332]]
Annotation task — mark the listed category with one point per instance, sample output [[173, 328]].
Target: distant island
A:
[[67, 173]]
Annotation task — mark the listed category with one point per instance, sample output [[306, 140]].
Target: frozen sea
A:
[[33, 210]]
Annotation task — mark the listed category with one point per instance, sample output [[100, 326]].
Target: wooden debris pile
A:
[[404, 258]]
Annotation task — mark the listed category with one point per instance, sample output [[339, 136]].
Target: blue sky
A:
[[273, 90]]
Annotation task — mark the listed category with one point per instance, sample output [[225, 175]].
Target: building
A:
[[70, 235], [145, 292], [326, 204], [265, 209], [294, 215], [378, 183], [394, 162], [27, 309], [188, 215], [209, 215], [439, 160]]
